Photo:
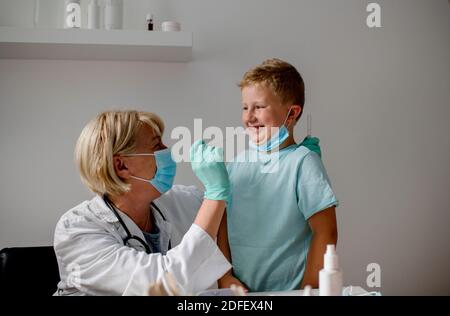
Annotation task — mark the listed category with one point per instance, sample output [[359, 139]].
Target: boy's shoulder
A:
[[300, 153], [307, 155], [301, 150], [301, 158]]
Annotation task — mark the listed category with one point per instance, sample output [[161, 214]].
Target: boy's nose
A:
[[250, 119], [251, 116]]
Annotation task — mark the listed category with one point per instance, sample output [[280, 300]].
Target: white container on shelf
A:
[[37, 7], [113, 16], [47, 14], [93, 15], [170, 26]]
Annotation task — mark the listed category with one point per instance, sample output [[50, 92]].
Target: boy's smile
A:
[[262, 109]]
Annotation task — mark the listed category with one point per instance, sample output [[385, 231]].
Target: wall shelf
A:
[[82, 44]]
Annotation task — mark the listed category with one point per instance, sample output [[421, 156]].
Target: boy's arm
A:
[[324, 231], [222, 242]]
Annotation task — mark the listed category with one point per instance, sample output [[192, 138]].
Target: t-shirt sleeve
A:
[[314, 191]]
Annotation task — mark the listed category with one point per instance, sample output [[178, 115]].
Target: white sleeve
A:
[[103, 266], [196, 263], [180, 206]]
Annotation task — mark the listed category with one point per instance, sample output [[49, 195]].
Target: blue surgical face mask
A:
[[276, 140], [166, 169]]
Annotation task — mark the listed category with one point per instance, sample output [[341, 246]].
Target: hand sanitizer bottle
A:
[[330, 277]]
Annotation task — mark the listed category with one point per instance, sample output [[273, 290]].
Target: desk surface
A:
[[348, 290]]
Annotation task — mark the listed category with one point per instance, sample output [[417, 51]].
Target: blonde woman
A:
[[139, 226]]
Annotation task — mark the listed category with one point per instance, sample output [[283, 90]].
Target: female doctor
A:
[[138, 227]]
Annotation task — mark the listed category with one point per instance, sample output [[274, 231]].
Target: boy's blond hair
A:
[[280, 76], [110, 133]]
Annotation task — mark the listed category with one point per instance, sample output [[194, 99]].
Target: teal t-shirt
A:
[[267, 215]]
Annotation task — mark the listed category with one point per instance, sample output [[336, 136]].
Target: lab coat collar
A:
[[104, 213], [99, 207]]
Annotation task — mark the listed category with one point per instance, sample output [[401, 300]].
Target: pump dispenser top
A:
[[331, 261]]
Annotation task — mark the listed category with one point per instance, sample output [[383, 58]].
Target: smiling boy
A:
[[278, 223]]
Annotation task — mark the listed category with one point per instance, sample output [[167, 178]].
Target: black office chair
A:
[[29, 270]]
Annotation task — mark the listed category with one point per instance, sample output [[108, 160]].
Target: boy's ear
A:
[[296, 111], [120, 167]]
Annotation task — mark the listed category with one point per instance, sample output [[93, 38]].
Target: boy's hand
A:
[[228, 279], [209, 167], [312, 143]]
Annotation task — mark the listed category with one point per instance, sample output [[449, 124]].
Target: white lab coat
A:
[[93, 260]]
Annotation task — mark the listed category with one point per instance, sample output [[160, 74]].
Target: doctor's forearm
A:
[[210, 215]]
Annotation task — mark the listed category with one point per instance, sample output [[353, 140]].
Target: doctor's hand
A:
[[209, 167], [312, 143]]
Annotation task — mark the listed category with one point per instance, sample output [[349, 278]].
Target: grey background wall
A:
[[379, 100]]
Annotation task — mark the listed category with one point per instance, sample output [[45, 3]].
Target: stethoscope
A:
[[129, 237]]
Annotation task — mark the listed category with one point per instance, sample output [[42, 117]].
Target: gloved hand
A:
[[209, 167], [312, 143]]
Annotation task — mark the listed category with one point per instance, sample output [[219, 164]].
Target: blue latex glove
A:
[[312, 143], [209, 167]]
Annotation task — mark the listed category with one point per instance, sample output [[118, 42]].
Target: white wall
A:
[[379, 99]]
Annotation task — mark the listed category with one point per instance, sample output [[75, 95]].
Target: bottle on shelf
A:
[[149, 22], [113, 14], [93, 15]]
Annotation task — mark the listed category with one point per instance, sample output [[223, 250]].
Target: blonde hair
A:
[[110, 133], [280, 76]]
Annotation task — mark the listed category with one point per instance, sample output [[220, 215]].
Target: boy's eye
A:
[[245, 108]]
